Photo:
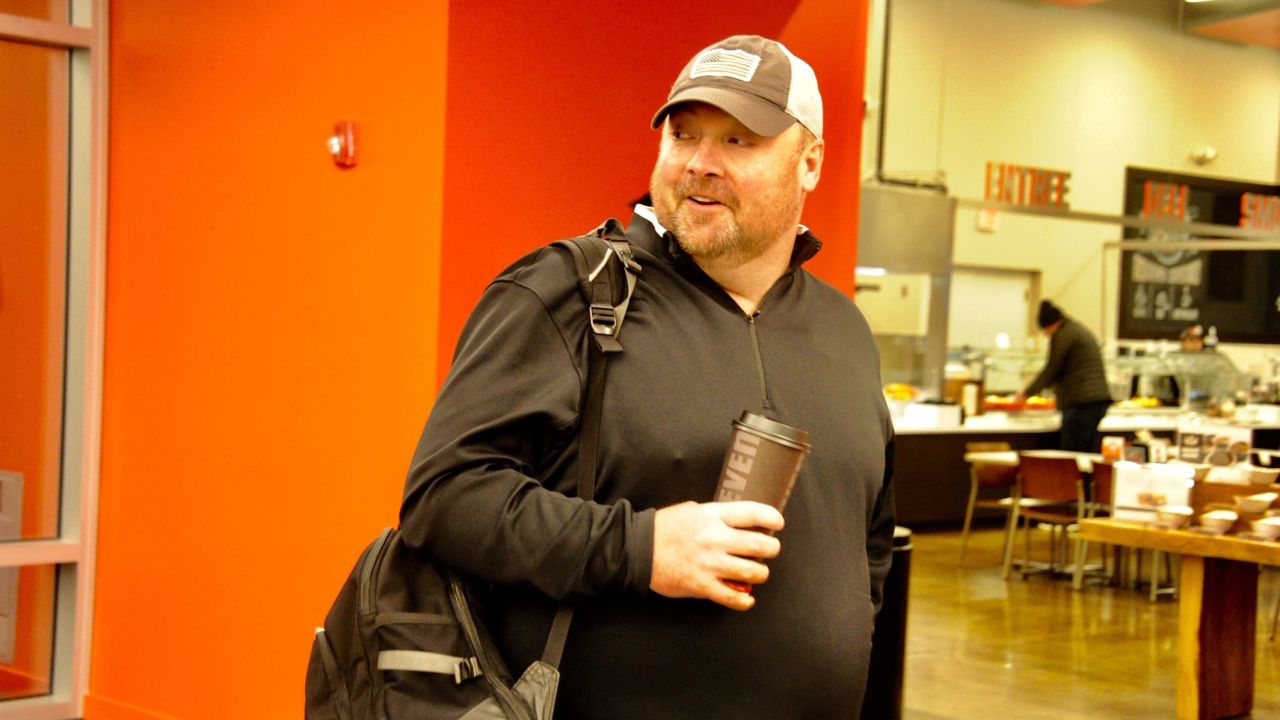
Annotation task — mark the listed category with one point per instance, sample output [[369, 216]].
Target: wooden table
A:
[[1218, 612]]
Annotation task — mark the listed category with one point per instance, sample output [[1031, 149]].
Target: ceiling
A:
[[1248, 22]]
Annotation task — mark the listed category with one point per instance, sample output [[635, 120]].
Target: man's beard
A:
[[738, 235]]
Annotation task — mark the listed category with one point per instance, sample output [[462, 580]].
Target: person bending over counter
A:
[[1074, 371]]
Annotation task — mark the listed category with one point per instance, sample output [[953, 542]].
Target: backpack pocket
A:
[[327, 694], [427, 668]]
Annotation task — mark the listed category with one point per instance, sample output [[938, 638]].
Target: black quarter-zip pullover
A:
[[490, 486]]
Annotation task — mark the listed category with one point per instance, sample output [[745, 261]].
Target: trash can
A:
[[883, 700]]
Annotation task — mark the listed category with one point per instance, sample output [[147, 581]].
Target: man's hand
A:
[[696, 547]]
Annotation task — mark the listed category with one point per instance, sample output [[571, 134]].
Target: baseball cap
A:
[[754, 79]]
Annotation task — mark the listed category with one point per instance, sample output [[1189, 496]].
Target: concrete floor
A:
[[979, 647]]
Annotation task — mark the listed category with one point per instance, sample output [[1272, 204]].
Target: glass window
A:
[[27, 606], [33, 272], [55, 10]]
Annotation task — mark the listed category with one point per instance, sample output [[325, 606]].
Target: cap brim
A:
[[761, 117]]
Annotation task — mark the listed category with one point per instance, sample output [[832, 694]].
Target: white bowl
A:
[[1259, 475], [1267, 527], [1218, 521], [1173, 516], [1255, 503]]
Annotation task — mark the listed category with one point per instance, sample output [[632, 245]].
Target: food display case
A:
[[1009, 371], [964, 379], [989, 380], [1144, 383], [1174, 381]]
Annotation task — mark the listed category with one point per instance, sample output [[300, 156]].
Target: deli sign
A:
[[1026, 186], [1260, 212]]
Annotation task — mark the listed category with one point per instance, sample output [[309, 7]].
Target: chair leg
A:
[[1067, 546], [1064, 542], [1275, 617], [1053, 547], [1155, 590], [1026, 547], [1139, 567], [1010, 536], [968, 520], [1155, 574], [1077, 572]]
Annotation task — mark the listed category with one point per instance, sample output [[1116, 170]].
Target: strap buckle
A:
[[466, 669], [603, 319]]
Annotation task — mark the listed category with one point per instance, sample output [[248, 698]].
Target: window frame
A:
[[73, 552]]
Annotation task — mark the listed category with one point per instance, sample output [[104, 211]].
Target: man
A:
[[723, 319], [1074, 369]]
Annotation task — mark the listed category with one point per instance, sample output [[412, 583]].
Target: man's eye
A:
[[680, 134], [738, 140]]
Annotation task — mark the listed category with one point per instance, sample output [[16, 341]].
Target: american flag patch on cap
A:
[[718, 62]]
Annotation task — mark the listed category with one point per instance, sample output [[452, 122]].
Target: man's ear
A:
[[810, 168]]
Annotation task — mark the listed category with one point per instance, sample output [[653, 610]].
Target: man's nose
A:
[[705, 160]]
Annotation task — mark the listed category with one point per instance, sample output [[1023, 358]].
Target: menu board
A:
[[1165, 291]]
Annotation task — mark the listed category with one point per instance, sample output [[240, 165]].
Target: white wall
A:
[[1086, 90]]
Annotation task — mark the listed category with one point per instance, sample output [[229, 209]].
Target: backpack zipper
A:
[[755, 344], [511, 704]]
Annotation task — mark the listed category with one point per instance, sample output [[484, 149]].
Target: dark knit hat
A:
[[1048, 315]]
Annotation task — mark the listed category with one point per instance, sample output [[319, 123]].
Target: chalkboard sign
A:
[[1165, 291]]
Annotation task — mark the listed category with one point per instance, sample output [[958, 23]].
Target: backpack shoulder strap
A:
[[607, 273], [596, 256]]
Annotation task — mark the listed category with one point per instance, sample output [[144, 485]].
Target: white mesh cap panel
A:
[[804, 103]]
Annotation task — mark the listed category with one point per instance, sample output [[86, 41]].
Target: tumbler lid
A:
[[779, 432]]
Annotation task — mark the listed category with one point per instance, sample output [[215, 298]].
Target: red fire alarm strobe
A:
[[342, 144]]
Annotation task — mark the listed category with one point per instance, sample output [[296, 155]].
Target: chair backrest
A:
[[1050, 478], [1103, 484], [987, 473]]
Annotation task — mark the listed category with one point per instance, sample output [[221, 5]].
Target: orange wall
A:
[[549, 126], [831, 35], [270, 335], [272, 322]]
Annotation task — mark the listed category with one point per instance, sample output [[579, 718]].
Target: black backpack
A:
[[403, 639]]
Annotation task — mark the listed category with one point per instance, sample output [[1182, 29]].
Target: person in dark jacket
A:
[[723, 319], [1074, 371]]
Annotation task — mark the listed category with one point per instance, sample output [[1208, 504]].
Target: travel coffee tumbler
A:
[[762, 463]]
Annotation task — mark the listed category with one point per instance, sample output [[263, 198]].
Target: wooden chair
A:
[[1101, 502], [1056, 487], [989, 477]]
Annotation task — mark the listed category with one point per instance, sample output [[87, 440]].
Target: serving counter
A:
[[932, 479], [930, 476]]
